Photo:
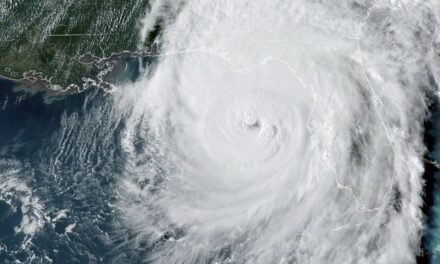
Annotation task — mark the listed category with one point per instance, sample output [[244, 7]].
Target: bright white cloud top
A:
[[281, 132]]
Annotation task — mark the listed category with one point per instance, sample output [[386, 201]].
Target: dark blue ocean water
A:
[[431, 237], [66, 166]]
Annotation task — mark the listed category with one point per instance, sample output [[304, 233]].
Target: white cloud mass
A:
[[276, 131]]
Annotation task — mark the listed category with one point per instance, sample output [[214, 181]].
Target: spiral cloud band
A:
[[281, 132]]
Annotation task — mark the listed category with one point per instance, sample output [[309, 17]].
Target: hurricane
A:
[[280, 132], [252, 132]]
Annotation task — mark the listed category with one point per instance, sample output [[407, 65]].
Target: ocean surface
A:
[[58, 178], [431, 238]]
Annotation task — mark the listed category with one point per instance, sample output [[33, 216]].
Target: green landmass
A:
[[50, 36]]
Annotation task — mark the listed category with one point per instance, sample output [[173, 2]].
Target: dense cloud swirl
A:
[[281, 132]]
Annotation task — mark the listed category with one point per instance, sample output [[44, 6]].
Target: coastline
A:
[[110, 71]]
